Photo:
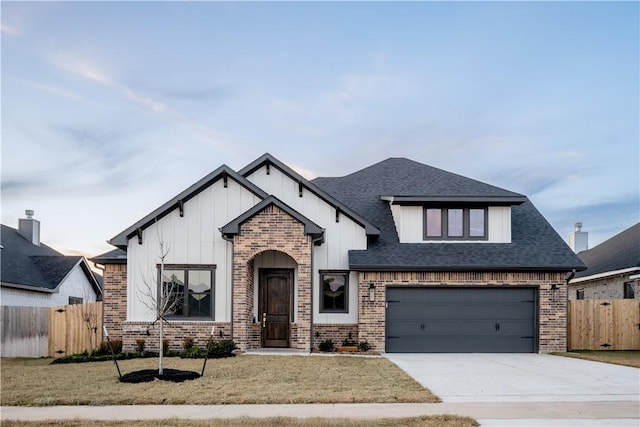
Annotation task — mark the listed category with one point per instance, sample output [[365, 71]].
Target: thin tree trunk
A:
[[161, 347]]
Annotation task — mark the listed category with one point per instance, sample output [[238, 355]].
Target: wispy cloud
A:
[[9, 30], [52, 89]]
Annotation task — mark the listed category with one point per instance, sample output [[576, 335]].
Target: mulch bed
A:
[[148, 375]]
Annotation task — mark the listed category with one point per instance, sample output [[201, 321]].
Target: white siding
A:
[[410, 225], [340, 237], [75, 284], [192, 239]]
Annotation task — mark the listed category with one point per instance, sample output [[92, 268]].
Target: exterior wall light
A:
[[372, 292]]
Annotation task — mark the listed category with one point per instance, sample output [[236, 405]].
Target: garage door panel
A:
[[460, 319]]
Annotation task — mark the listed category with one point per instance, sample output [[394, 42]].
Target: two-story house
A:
[[402, 255]]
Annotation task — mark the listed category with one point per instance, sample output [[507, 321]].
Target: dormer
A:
[[453, 219]]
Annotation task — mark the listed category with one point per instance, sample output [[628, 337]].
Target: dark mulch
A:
[[148, 375]]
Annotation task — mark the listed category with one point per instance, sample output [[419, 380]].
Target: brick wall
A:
[[552, 304], [611, 287], [115, 298], [337, 333], [175, 332], [270, 230]]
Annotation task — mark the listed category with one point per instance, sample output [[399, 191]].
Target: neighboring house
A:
[[613, 269], [402, 255], [35, 275]]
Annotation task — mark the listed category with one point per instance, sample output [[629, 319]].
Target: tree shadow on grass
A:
[[148, 375]]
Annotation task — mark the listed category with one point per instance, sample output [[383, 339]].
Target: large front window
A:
[[334, 287], [455, 223], [188, 291]]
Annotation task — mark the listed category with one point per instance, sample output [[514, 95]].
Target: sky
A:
[[109, 109]]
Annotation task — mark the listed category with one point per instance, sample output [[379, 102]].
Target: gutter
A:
[[606, 274]]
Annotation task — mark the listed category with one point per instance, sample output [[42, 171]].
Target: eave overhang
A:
[[310, 228], [606, 274], [455, 200], [413, 268]]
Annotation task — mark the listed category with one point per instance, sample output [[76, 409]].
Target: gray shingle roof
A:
[[116, 256], [620, 252], [535, 245], [38, 267]]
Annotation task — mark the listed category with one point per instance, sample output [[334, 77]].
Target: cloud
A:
[[9, 30]]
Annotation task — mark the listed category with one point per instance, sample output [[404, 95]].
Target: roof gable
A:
[[620, 252], [233, 227], [268, 160], [223, 172]]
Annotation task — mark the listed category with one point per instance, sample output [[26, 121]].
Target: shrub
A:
[[117, 346], [103, 348], [348, 342], [221, 348], [165, 345], [364, 346], [194, 352], [140, 345], [326, 345], [187, 343]]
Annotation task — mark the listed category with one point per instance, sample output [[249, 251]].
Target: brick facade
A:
[[552, 304], [336, 332], [611, 287], [114, 291], [270, 230], [175, 332]]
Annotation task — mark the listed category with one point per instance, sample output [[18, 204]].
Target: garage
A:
[[460, 320]]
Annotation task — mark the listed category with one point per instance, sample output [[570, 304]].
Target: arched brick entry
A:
[[271, 229]]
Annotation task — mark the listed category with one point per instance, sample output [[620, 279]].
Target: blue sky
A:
[[110, 109]]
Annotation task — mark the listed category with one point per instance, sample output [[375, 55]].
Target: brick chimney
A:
[[578, 239], [29, 228]]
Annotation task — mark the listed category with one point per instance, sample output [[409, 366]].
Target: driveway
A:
[[519, 378]]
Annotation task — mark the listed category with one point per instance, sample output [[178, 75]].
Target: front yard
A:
[[244, 379]]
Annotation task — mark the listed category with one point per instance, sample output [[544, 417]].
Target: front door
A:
[[275, 295]]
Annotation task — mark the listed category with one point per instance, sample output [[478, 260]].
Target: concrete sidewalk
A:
[[487, 413]]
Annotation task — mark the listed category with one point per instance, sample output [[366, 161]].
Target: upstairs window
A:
[[580, 294], [628, 291], [75, 300], [455, 223], [188, 291], [334, 286]]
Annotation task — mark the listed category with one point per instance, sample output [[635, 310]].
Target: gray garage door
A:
[[460, 320]]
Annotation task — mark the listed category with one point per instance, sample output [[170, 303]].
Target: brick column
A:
[[114, 289]]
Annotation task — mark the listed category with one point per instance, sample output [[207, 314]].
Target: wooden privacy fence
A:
[[604, 324], [74, 328], [24, 331]]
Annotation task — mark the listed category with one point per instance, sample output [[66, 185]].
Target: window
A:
[[455, 223], [628, 291], [75, 300], [334, 288], [580, 294], [188, 290]]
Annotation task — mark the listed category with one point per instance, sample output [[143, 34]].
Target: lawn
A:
[[625, 358], [430, 421], [246, 379]]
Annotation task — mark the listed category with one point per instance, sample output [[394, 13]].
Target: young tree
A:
[[89, 313], [163, 297]]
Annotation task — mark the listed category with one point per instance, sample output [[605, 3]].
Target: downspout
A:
[[230, 239], [568, 278], [319, 239]]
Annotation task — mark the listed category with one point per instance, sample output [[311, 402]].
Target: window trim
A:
[[75, 300], [186, 268], [628, 292], [321, 308], [580, 294], [444, 223]]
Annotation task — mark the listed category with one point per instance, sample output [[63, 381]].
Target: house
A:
[[613, 268], [402, 255], [35, 275]]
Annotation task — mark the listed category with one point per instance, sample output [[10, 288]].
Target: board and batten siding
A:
[[409, 222], [192, 239], [340, 237]]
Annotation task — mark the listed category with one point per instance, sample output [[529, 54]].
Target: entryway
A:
[[275, 306]]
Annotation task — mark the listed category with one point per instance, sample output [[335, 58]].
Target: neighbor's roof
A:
[[535, 244], [39, 268], [620, 252]]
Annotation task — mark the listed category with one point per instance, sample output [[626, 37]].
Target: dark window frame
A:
[[75, 300], [211, 268], [321, 307], [628, 291], [466, 223], [579, 294]]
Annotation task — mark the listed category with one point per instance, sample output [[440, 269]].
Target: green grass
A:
[[246, 379]]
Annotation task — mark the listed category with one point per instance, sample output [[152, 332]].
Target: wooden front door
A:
[[275, 293]]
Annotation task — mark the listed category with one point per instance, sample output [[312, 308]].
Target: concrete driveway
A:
[[519, 377], [529, 389]]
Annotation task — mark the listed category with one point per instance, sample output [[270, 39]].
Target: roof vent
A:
[[29, 213], [578, 239]]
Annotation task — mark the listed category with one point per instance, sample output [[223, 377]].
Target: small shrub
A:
[[194, 352], [326, 345], [165, 345], [364, 346], [221, 348], [187, 343], [140, 345], [117, 346], [348, 342], [103, 348]]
